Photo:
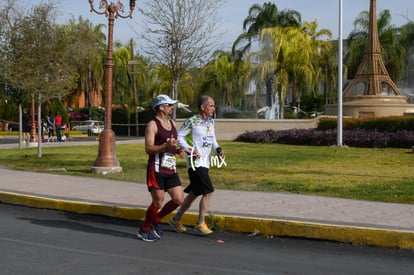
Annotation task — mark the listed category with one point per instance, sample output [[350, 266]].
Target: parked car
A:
[[12, 126], [90, 127]]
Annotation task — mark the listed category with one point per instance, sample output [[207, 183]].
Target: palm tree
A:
[[160, 83], [322, 58], [292, 60], [219, 77], [260, 17], [87, 50], [406, 33], [121, 82]]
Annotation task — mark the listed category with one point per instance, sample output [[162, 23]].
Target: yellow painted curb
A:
[[81, 207], [341, 233], [269, 227]]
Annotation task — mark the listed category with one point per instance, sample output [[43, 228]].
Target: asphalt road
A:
[[34, 241]]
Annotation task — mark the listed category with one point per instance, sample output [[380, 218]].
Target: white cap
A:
[[163, 99]]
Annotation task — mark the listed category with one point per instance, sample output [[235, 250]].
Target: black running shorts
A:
[[200, 183]]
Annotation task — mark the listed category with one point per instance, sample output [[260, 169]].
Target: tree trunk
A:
[[175, 94], [89, 91], [269, 90], [281, 106], [295, 94]]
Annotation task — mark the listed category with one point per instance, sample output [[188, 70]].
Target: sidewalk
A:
[[270, 214]]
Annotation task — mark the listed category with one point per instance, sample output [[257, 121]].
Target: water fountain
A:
[[272, 112]]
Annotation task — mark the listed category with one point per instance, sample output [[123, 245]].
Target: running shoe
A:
[[203, 229], [157, 230], [146, 236], [177, 226]]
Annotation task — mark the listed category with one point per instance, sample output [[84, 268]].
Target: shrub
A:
[[382, 124], [314, 137]]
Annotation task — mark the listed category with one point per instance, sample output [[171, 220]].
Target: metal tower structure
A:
[[372, 79]]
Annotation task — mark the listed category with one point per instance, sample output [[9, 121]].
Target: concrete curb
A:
[[268, 227]]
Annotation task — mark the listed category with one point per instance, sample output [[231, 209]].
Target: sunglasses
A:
[[169, 105]]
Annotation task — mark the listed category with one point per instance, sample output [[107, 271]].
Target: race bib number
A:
[[168, 161]]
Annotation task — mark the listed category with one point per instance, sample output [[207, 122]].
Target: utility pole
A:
[[133, 73]]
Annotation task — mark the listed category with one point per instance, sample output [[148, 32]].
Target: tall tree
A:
[[222, 78], [218, 78], [10, 97], [34, 55], [160, 83], [87, 48], [292, 59], [323, 58], [179, 34], [259, 18], [406, 33], [122, 84]]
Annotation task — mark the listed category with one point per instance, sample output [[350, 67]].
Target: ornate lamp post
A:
[[106, 160], [33, 137]]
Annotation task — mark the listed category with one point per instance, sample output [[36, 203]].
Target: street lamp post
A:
[[106, 160], [33, 137]]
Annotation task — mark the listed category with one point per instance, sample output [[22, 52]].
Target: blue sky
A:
[[233, 12]]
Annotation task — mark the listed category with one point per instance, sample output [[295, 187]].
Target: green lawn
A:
[[360, 173]]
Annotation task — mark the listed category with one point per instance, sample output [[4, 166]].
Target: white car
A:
[[90, 127]]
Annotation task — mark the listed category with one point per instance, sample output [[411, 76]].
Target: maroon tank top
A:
[[161, 138]]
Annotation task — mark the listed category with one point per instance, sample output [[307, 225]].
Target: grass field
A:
[[359, 173]]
